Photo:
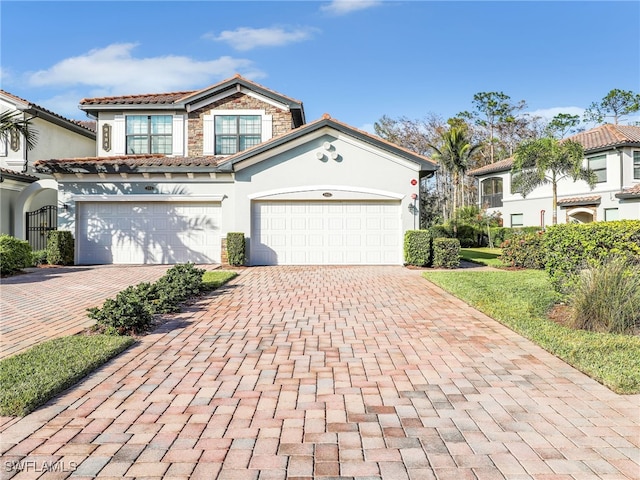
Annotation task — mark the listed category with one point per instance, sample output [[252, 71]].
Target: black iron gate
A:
[[39, 224]]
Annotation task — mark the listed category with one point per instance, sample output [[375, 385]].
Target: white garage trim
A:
[[147, 198], [325, 232], [316, 188]]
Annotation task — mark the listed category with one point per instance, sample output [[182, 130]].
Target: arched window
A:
[[491, 191]]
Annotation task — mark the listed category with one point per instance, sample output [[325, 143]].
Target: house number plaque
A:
[[106, 137]]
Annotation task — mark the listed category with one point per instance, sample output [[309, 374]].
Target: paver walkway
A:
[[51, 302], [331, 373]]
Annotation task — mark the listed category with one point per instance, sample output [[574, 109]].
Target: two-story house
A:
[[612, 152], [29, 199], [174, 173]]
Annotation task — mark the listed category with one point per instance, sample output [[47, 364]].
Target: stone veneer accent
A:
[[282, 120]]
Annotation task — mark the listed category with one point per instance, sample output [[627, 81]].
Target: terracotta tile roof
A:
[[631, 192], [32, 106], [586, 200], [250, 82], [18, 175], [499, 166], [131, 161], [172, 97], [599, 138], [607, 135], [142, 99]]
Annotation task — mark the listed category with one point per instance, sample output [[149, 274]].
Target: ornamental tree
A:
[[547, 161]]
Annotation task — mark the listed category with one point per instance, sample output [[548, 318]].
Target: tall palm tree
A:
[[453, 155], [547, 161]]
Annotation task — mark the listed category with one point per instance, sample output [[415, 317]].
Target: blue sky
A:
[[356, 60]]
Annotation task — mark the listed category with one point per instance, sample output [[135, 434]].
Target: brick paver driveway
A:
[[52, 302], [332, 372]]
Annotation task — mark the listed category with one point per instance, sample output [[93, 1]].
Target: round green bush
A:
[[14, 254]]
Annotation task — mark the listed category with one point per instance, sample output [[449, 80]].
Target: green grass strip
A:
[[483, 256], [216, 278], [29, 379], [521, 299]]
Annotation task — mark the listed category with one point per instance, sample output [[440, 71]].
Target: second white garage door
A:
[[148, 232], [326, 233]]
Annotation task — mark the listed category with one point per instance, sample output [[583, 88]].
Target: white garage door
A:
[[148, 232], [326, 233]]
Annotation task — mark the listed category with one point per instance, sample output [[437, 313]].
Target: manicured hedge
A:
[[60, 248], [573, 247], [524, 251], [446, 253], [417, 248], [502, 234], [236, 248], [14, 254]]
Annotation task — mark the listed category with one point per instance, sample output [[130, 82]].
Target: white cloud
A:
[[344, 7], [114, 70], [245, 38], [549, 113]]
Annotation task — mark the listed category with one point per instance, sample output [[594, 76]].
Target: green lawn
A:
[[29, 379], [483, 256], [216, 278], [521, 299]]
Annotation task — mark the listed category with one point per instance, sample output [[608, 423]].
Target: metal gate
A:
[[39, 224]]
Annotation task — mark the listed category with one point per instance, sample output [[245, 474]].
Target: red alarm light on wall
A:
[[414, 182]]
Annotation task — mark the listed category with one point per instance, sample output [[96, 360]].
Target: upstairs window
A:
[[235, 133], [148, 134], [636, 165], [492, 192], [598, 165]]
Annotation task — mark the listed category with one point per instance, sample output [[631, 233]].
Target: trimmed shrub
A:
[[607, 298], [236, 248], [441, 231], [500, 235], [573, 247], [446, 252], [417, 247], [467, 242], [524, 251], [15, 254], [60, 248], [39, 257], [128, 313], [467, 232], [132, 310]]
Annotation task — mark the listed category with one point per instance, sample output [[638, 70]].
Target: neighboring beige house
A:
[[611, 151], [174, 173], [22, 190]]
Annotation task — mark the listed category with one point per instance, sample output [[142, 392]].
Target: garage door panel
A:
[[148, 232], [326, 232]]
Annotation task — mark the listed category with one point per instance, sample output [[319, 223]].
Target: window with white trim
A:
[[611, 214], [517, 219], [149, 134], [636, 165], [235, 133], [598, 165]]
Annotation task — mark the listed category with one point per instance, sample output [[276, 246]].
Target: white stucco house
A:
[[174, 173], [611, 151], [22, 189]]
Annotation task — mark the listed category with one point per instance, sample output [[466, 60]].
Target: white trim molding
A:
[[147, 198], [316, 188]]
